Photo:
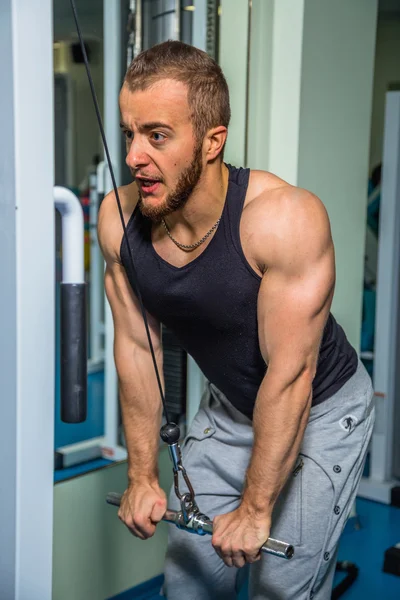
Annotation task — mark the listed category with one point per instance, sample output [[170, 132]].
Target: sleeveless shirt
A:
[[210, 305]]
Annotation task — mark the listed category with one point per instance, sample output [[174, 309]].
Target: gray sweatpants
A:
[[310, 513]]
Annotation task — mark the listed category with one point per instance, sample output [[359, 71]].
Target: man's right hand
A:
[[142, 506]]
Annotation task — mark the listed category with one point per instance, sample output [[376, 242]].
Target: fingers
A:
[[140, 526], [234, 556], [129, 523], [141, 512], [233, 547], [126, 516], [158, 511]]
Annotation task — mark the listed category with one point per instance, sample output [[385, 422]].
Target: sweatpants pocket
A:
[[201, 429]]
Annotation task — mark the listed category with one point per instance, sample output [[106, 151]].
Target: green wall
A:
[[94, 555], [334, 134], [233, 58]]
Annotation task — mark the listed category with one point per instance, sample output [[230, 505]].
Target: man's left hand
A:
[[239, 535]]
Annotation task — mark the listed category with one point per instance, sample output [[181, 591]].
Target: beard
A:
[[176, 199]]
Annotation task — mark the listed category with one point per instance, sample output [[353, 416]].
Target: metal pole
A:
[[112, 83], [27, 266], [96, 280]]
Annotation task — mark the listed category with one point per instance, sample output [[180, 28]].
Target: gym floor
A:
[[364, 546]]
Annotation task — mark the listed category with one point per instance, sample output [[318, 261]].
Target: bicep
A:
[[293, 306]]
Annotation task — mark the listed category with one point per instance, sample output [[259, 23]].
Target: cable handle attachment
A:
[[189, 509], [170, 434], [201, 524]]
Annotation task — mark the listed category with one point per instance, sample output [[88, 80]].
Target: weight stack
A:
[[175, 361]]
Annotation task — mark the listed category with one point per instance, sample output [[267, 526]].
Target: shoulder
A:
[[288, 222], [109, 226], [261, 182]]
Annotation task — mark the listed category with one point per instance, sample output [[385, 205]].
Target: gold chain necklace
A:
[[190, 246]]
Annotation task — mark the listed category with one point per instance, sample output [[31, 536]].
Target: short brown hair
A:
[[208, 94]]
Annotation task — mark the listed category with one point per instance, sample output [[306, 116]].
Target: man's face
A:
[[162, 153]]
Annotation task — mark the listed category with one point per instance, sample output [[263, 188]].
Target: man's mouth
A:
[[148, 186]]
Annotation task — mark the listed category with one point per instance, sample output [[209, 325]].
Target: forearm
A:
[[141, 410], [280, 418]]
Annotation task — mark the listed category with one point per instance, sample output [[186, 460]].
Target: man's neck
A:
[[205, 205]]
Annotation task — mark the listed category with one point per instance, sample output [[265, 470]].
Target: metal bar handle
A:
[[271, 546]]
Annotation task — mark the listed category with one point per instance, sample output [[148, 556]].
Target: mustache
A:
[[146, 176]]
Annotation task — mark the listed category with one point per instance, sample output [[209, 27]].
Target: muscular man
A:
[[240, 266]]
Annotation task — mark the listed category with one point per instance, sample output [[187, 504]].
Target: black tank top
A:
[[210, 305]]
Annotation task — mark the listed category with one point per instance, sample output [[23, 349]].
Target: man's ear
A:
[[215, 141]]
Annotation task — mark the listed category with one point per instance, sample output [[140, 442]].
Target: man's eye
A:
[[128, 134], [158, 137]]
